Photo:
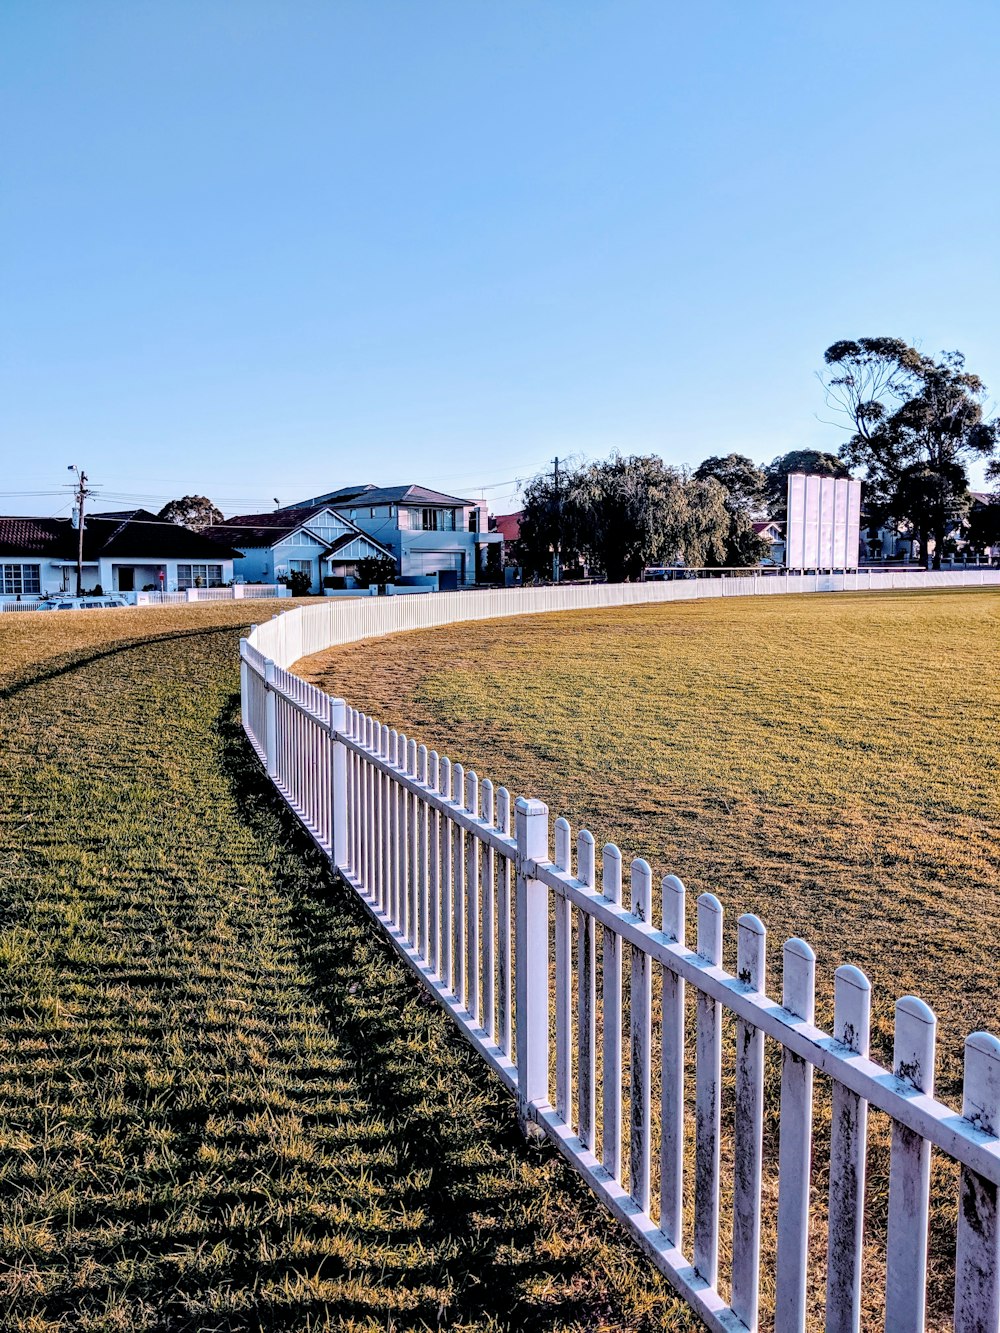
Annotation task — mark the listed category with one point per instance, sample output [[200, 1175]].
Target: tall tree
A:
[[191, 511], [621, 515], [813, 461], [915, 424], [745, 485]]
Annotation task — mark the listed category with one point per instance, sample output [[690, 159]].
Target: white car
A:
[[66, 603]]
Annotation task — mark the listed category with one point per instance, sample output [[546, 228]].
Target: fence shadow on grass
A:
[[482, 1204]]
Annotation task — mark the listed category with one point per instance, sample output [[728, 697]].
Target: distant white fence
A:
[[28, 604], [235, 592], [491, 908]]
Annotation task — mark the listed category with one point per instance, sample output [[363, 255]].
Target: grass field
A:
[[829, 763], [223, 1104]]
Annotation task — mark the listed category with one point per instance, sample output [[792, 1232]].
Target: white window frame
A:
[[188, 575], [20, 580]]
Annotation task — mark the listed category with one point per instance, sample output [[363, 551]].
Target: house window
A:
[[301, 567], [437, 520], [25, 579], [199, 576]]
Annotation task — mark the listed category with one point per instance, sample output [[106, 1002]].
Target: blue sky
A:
[[262, 250]]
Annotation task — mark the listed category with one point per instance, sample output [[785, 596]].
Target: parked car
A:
[[65, 603]]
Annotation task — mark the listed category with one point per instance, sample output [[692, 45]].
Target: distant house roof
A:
[[128, 534], [265, 530], [766, 526], [508, 525], [381, 495]]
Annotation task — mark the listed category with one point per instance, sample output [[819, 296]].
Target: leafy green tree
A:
[[622, 514], [812, 461], [550, 520], [983, 530], [191, 511], [376, 569], [915, 424], [745, 485]]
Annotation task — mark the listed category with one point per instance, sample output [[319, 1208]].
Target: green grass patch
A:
[[224, 1105]]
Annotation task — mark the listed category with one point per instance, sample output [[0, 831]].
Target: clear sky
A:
[[261, 250]]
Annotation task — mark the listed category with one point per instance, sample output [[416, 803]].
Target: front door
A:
[[126, 578]]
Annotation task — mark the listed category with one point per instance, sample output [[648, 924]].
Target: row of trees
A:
[[619, 516], [914, 424]]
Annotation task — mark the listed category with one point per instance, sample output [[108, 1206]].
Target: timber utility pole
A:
[[81, 494], [557, 547]]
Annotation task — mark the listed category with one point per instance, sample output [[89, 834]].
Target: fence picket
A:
[[672, 1070], [748, 1129], [708, 1076], [445, 864], [505, 917], [586, 1007], [434, 869], [563, 981], [798, 985], [408, 850], [640, 1062], [848, 1140], [611, 1146], [420, 812], [489, 916], [472, 899], [977, 1255], [909, 1174], [456, 835]]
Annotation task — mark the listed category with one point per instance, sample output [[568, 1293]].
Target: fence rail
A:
[[512, 924]]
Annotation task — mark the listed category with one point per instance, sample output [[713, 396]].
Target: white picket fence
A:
[[492, 910], [234, 592]]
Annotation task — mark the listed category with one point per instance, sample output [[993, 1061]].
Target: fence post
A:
[[338, 784], [977, 1258], [270, 721], [531, 960], [244, 687]]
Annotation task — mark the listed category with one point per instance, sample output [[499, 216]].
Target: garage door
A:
[[432, 562]]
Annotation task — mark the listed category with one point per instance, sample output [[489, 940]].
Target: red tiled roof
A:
[[132, 534], [508, 525]]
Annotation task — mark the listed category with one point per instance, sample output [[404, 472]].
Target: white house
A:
[[126, 551], [427, 532], [772, 533], [312, 539]]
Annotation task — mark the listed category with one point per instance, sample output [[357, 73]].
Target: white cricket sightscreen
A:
[[824, 522]]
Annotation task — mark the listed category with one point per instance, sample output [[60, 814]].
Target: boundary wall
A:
[[567, 968]]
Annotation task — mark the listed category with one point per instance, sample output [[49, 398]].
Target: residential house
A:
[[127, 551], [312, 539], [428, 533], [773, 533]]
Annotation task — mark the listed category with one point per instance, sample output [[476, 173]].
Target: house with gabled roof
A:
[[312, 539], [124, 551], [431, 535]]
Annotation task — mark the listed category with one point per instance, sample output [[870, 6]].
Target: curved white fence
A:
[[510, 931]]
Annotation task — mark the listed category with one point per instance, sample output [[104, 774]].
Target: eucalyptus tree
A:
[[915, 425]]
